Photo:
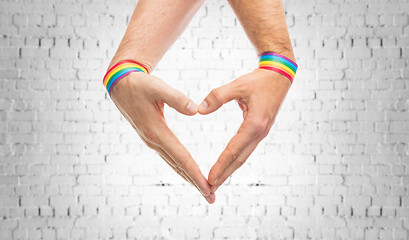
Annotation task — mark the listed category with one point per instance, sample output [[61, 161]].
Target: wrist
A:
[[129, 50], [124, 57], [120, 70], [278, 63], [284, 51]]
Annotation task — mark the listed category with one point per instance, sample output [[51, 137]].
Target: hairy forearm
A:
[[265, 25], [153, 28]]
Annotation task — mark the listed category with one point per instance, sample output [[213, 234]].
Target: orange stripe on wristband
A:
[[278, 63], [120, 70]]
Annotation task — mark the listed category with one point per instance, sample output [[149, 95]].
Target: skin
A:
[[152, 30], [140, 97], [260, 93]]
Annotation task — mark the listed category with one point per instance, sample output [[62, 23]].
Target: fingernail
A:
[[215, 181], [208, 199], [203, 106], [192, 108]]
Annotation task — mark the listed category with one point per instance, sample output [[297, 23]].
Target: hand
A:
[[140, 98], [259, 94]]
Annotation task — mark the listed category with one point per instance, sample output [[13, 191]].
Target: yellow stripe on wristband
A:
[[120, 70], [278, 63]]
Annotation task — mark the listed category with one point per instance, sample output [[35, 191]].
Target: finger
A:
[[172, 146], [183, 174], [165, 157], [241, 159], [247, 133], [236, 164], [176, 99], [217, 97], [211, 198]]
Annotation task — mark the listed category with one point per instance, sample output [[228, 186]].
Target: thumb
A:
[[217, 97], [178, 101]]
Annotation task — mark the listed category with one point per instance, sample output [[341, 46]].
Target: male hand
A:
[[259, 94], [140, 98]]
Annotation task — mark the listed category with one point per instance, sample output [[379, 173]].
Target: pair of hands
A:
[[141, 97]]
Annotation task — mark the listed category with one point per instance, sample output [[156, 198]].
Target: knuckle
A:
[[178, 97], [151, 136], [181, 164], [178, 171], [182, 99], [180, 167], [229, 153], [241, 161], [264, 134], [215, 95], [151, 146], [258, 125]]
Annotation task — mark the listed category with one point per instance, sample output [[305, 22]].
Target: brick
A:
[[356, 160], [357, 180], [90, 179], [63, 201], [72, 167], [386, 201], [389, 223]]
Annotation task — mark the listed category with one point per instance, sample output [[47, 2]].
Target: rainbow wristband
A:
[[120, 70], [278, 63]]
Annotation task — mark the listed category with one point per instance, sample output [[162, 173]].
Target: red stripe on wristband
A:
[[278, 63], [119, 71]]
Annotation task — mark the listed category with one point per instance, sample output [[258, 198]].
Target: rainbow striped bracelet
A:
[[120, 70], [278, 63]]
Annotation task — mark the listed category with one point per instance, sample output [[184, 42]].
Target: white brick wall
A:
[[334, 166]]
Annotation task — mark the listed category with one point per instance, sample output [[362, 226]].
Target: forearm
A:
[[265, 25], [153, 28]]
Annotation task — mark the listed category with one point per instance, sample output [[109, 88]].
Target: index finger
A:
[[246, 134], [172, 146]]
